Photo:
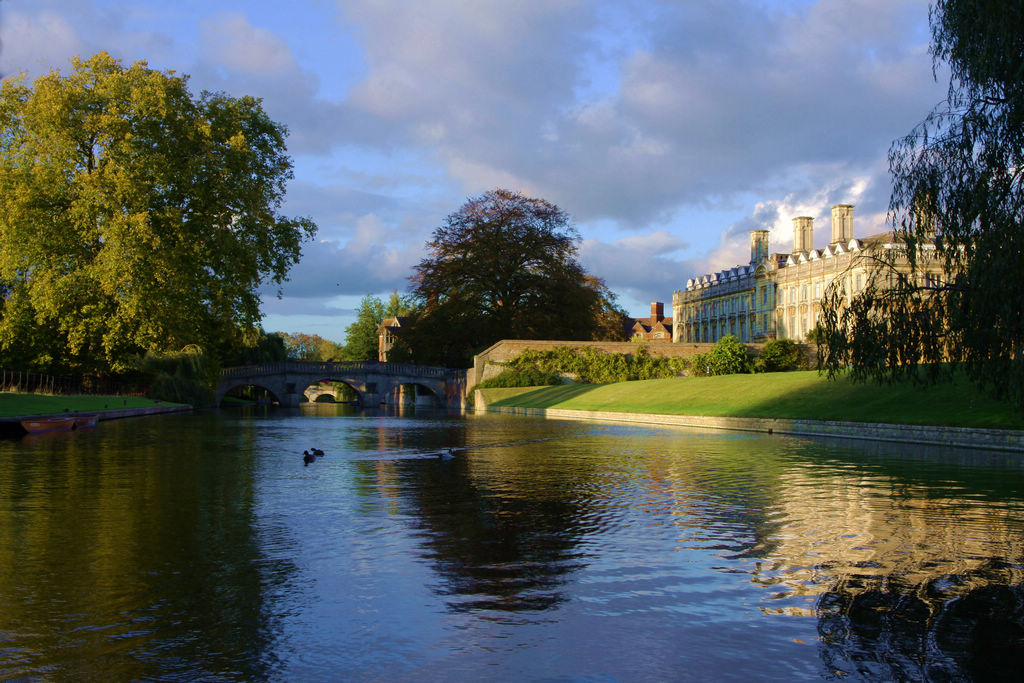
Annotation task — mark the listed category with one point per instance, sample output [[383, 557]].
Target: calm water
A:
[[200, 547]]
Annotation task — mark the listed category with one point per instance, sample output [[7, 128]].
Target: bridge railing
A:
[[337, 367]]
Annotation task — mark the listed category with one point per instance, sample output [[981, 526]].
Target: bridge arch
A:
[[239, 390], [399, 392], [328, 386], [373, 382]]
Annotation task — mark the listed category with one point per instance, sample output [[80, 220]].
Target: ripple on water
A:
[[202, 547]]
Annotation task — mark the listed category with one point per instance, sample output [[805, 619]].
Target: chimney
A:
[[803, 234], [657, 311], [758, 246], [842, 223]]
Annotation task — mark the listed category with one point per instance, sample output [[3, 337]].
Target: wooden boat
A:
[[35, 425], [86, 421]]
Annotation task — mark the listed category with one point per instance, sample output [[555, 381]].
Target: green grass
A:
[[800, 395], [15, 405]]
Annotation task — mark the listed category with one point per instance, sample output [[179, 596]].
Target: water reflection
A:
[[201, 547], [118, 562], [950, 627]]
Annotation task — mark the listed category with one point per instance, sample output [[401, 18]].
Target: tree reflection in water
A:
[[494, 552], [952, 627]]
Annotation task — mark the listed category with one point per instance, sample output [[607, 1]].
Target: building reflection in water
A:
[[904, 565], [908, 560], [900, 553]]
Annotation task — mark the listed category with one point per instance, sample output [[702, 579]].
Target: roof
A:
[[392, 323]]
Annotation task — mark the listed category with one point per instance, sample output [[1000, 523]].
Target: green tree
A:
[[269, 347], [301, 346], [135, 217], [361, 342], [504, 266], [958, 184]]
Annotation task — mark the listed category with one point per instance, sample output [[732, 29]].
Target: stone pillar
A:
[[803, 234], [842, 223], [758, 246]]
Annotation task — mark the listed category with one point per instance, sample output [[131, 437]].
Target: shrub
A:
[[780, 355], [521, 377], [728, 357], [592, 366], [698, 365]]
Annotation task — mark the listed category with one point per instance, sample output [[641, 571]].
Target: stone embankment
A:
[[958, 437]]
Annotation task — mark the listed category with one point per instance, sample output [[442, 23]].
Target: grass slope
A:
[[803, 395], [15, 405]]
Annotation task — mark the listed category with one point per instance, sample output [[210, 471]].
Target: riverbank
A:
[[16, 407], [20, 405], [784, 403]]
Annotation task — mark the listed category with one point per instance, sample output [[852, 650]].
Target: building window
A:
[[860, 281], [803, 293]]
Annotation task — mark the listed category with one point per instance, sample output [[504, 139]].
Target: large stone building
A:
[[778, 296]]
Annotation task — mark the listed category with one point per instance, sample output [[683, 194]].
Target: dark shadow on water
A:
[[961, 627], [493, 553]]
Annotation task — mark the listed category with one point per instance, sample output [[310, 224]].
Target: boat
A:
[[36, 425], [86, 421]]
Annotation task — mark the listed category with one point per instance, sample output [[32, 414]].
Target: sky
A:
[[667, 129]]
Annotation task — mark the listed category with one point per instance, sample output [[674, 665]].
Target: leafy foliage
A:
[[186, 376], [135, 216], [958, 185], [361, 341], [504, 266], [727, 357], [780, 355], [521, 377], [267, 348], [593, 366], [301, 346]]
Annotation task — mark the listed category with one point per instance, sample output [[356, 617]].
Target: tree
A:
[[268, 348], [958, 186], [301, 346], [504, 266], [135, 217], [361, 336]]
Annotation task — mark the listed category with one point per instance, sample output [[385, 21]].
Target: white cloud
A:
[[641, 115], [230, 41]]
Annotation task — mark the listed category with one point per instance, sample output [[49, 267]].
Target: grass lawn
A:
[[15, 405], [804, 395]]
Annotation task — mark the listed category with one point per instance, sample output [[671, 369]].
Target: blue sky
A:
[[666, 129]]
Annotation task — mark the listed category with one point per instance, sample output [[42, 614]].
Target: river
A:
[[191, 547]]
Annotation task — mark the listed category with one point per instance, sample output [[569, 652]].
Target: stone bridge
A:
[[375, 383]]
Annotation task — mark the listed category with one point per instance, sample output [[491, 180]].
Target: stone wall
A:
[[484, 363], [957, 437]]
